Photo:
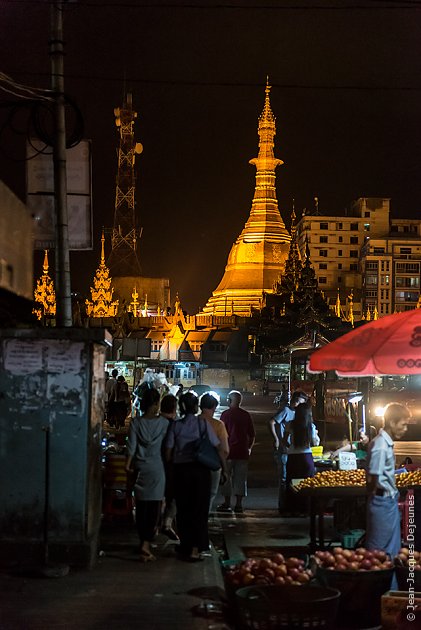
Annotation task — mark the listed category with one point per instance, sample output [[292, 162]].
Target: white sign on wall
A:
[[40, 194]]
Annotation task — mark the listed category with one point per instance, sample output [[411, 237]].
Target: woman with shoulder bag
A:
[[192, 480]]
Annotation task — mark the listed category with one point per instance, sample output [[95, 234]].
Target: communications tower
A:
[[123, 259]]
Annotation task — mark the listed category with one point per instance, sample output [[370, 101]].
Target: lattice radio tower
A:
[[123, 259]]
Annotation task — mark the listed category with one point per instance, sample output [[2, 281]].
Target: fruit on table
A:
[[334, 478], [274, 570], [408, 558], [412, 478], [359, 559]]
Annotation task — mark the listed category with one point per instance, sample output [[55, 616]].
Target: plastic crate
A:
[[350, 539], [317, 451], [288, 607]]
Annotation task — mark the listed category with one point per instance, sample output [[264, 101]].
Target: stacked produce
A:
[[334, 478], [408, 479], [274, 570], [360, 559], [407, 559]]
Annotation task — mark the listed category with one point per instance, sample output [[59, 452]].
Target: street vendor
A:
[[383, 529], [359, 447]]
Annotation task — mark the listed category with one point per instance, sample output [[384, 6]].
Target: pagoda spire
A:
[[264, 213], [258, 255], [44, 293], [102, 292]]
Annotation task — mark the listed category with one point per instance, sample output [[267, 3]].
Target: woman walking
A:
[[192, 480], [146, 435]]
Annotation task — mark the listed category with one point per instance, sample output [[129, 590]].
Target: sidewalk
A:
[[169, 593]]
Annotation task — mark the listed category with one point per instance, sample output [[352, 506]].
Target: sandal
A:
[[145, 556]]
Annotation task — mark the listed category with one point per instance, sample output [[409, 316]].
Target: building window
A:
[[353, 253], [339, 226], [324, 226], [385, 265], [378, 250], [353, 226], [410, 282], [366, 227], [372, 265], [323, 239], [339, 279], [322, 265], [405, 250], [339, 252], [322, 280], [353, 267], [367, 214], [370, 280], [340, 239], [408, 267], [384, 280], [354, 240], [371, 294], [323, 252], [339, 265]]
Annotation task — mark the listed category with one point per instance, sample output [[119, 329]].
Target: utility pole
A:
[[56, 52]]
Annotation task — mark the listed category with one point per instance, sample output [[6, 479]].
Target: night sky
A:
[[346, 94]]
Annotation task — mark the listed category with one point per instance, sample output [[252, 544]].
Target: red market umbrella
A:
[[389, 345]]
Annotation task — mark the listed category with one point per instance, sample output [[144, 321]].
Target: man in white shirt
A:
[[383, 520]]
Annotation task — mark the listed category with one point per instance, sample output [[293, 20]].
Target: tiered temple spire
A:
[[102, 304], [258, 255], [44, 294]]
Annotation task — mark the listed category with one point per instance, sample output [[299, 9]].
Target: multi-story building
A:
[[391, 268], [365, 257]]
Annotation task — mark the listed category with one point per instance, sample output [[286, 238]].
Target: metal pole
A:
[[56, 48]]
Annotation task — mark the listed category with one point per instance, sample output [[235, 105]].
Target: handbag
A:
[[206, 453]]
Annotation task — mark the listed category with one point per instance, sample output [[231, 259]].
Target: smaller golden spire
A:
[[375, 313], [338, 306], [102, 291], [44, 293], [351, 308], [134, 303], [368, 314]]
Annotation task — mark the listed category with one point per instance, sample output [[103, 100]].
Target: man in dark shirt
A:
[[241, 437]]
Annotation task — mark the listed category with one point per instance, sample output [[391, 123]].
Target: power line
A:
[[223, 84], [375, 6]]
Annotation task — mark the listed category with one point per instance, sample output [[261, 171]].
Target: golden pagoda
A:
[[44, 293], [257, 257], [102, 292]]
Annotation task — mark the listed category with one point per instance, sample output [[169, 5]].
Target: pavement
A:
[[119, 592]]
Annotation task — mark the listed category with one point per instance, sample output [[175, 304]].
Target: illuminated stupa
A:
[[44, 294], [102, 304], [257, 257]]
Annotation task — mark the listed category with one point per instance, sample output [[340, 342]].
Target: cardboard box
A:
[[396, 608]]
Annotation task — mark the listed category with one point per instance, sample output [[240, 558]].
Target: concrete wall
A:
[[16, 244]]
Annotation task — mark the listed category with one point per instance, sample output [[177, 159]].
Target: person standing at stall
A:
[[277, 426], [383, 529], [300, 435]]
